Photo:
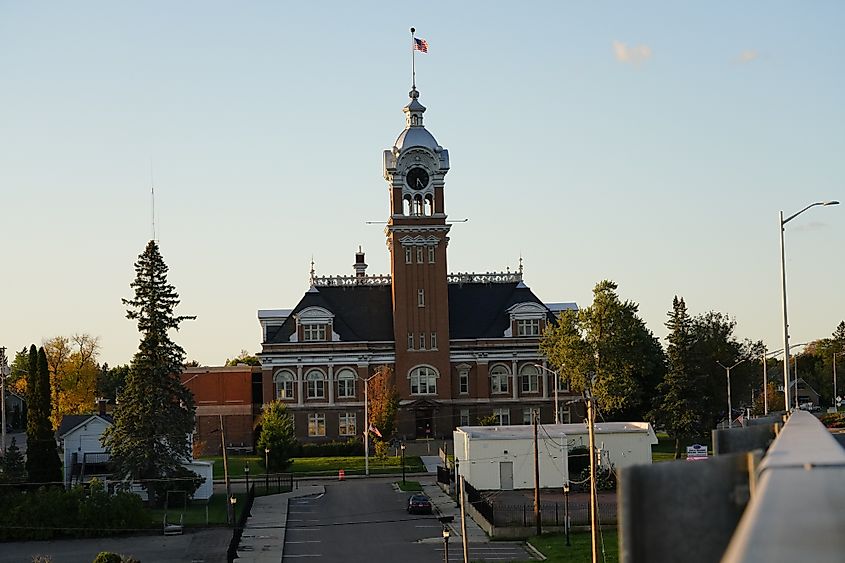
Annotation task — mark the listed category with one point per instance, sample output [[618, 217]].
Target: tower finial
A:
[[520, 265], [312, 280]]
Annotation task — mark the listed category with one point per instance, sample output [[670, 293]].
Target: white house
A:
[[85, 457], [501, 457]]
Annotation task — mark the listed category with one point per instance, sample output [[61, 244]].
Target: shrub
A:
[[107, 557], [833, 420], [46, 513], [351, 447]]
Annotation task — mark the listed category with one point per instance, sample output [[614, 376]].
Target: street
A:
[[365, 521]]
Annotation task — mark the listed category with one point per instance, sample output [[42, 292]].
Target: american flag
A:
[[420, 45]]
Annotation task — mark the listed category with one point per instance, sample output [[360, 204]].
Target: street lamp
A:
[[266, 469], [557, 384], [728, 370], [446, 520], [367, 424], [566, 510], [781, 223], [402, 447]]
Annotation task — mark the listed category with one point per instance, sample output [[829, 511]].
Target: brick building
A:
[[462, 346], [233, 393]]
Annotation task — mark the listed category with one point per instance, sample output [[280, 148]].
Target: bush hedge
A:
[[48, 513], [351, 447]]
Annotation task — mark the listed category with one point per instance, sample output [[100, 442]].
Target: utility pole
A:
[[834, 384], [230, 508], [463, 520], [366, 429], [537, 515], [4, 371], [594, 521], [765, 386]]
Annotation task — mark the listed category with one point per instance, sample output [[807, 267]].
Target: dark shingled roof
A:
[[480, 310], [362, 312], [365, 313], [71, 421]]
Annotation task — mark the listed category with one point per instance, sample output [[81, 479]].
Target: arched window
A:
[[423, 381], [418, 206], [429, 205], [406, 205], [499, 377], [345, 384], [316, 384], [530, 376], [283, 384]]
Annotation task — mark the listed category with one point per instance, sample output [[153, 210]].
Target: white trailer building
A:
[[502, 457]]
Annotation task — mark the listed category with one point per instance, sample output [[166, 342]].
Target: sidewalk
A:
[[263, 539], [444, 505]]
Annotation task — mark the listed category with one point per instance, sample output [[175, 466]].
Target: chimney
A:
[[101, 405], [360, 266]]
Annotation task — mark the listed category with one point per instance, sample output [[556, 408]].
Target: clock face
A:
[[417, 179]]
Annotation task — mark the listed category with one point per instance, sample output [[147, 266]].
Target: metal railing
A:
[[797, 506]]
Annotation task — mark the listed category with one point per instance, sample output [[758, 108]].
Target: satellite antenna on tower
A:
[[152, 201]]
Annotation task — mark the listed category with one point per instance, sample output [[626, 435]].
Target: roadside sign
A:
[[696, 452]]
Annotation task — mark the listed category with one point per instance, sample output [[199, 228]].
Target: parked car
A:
[[419, 504]]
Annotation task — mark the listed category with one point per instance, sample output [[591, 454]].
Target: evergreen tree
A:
[[33, 396], [277, 434], [155, 413], [680, 405], [42, 457], [12, 467]]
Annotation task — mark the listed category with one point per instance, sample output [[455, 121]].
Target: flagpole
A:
[[413, 62]]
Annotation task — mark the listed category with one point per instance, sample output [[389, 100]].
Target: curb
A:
[[535, 551]]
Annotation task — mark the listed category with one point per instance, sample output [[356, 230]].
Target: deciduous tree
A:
[[384, 402], [155, 412], [278, 434], [609, 345], [73, 374], [244, 358]]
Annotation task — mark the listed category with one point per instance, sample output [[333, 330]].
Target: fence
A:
[[551, 513], [444, 475], [232, 552], [273, 483]]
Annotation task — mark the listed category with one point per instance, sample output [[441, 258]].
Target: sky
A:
[[651, 143]]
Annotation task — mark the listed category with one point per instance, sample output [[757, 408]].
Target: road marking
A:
[[306, 541], [303, 529]]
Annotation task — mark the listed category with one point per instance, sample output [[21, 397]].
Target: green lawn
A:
[[409, 486], [664, 450], [554, 546], [315, 466], [195, 515]]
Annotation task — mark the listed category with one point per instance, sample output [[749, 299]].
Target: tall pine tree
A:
[[155, 413], [42, 457], [680, 405]]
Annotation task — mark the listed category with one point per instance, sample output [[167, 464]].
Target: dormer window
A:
[[528, 327], [314, 324], [312, 333], [528, 320]]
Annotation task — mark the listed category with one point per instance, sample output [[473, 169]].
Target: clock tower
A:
[[417, 236]]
